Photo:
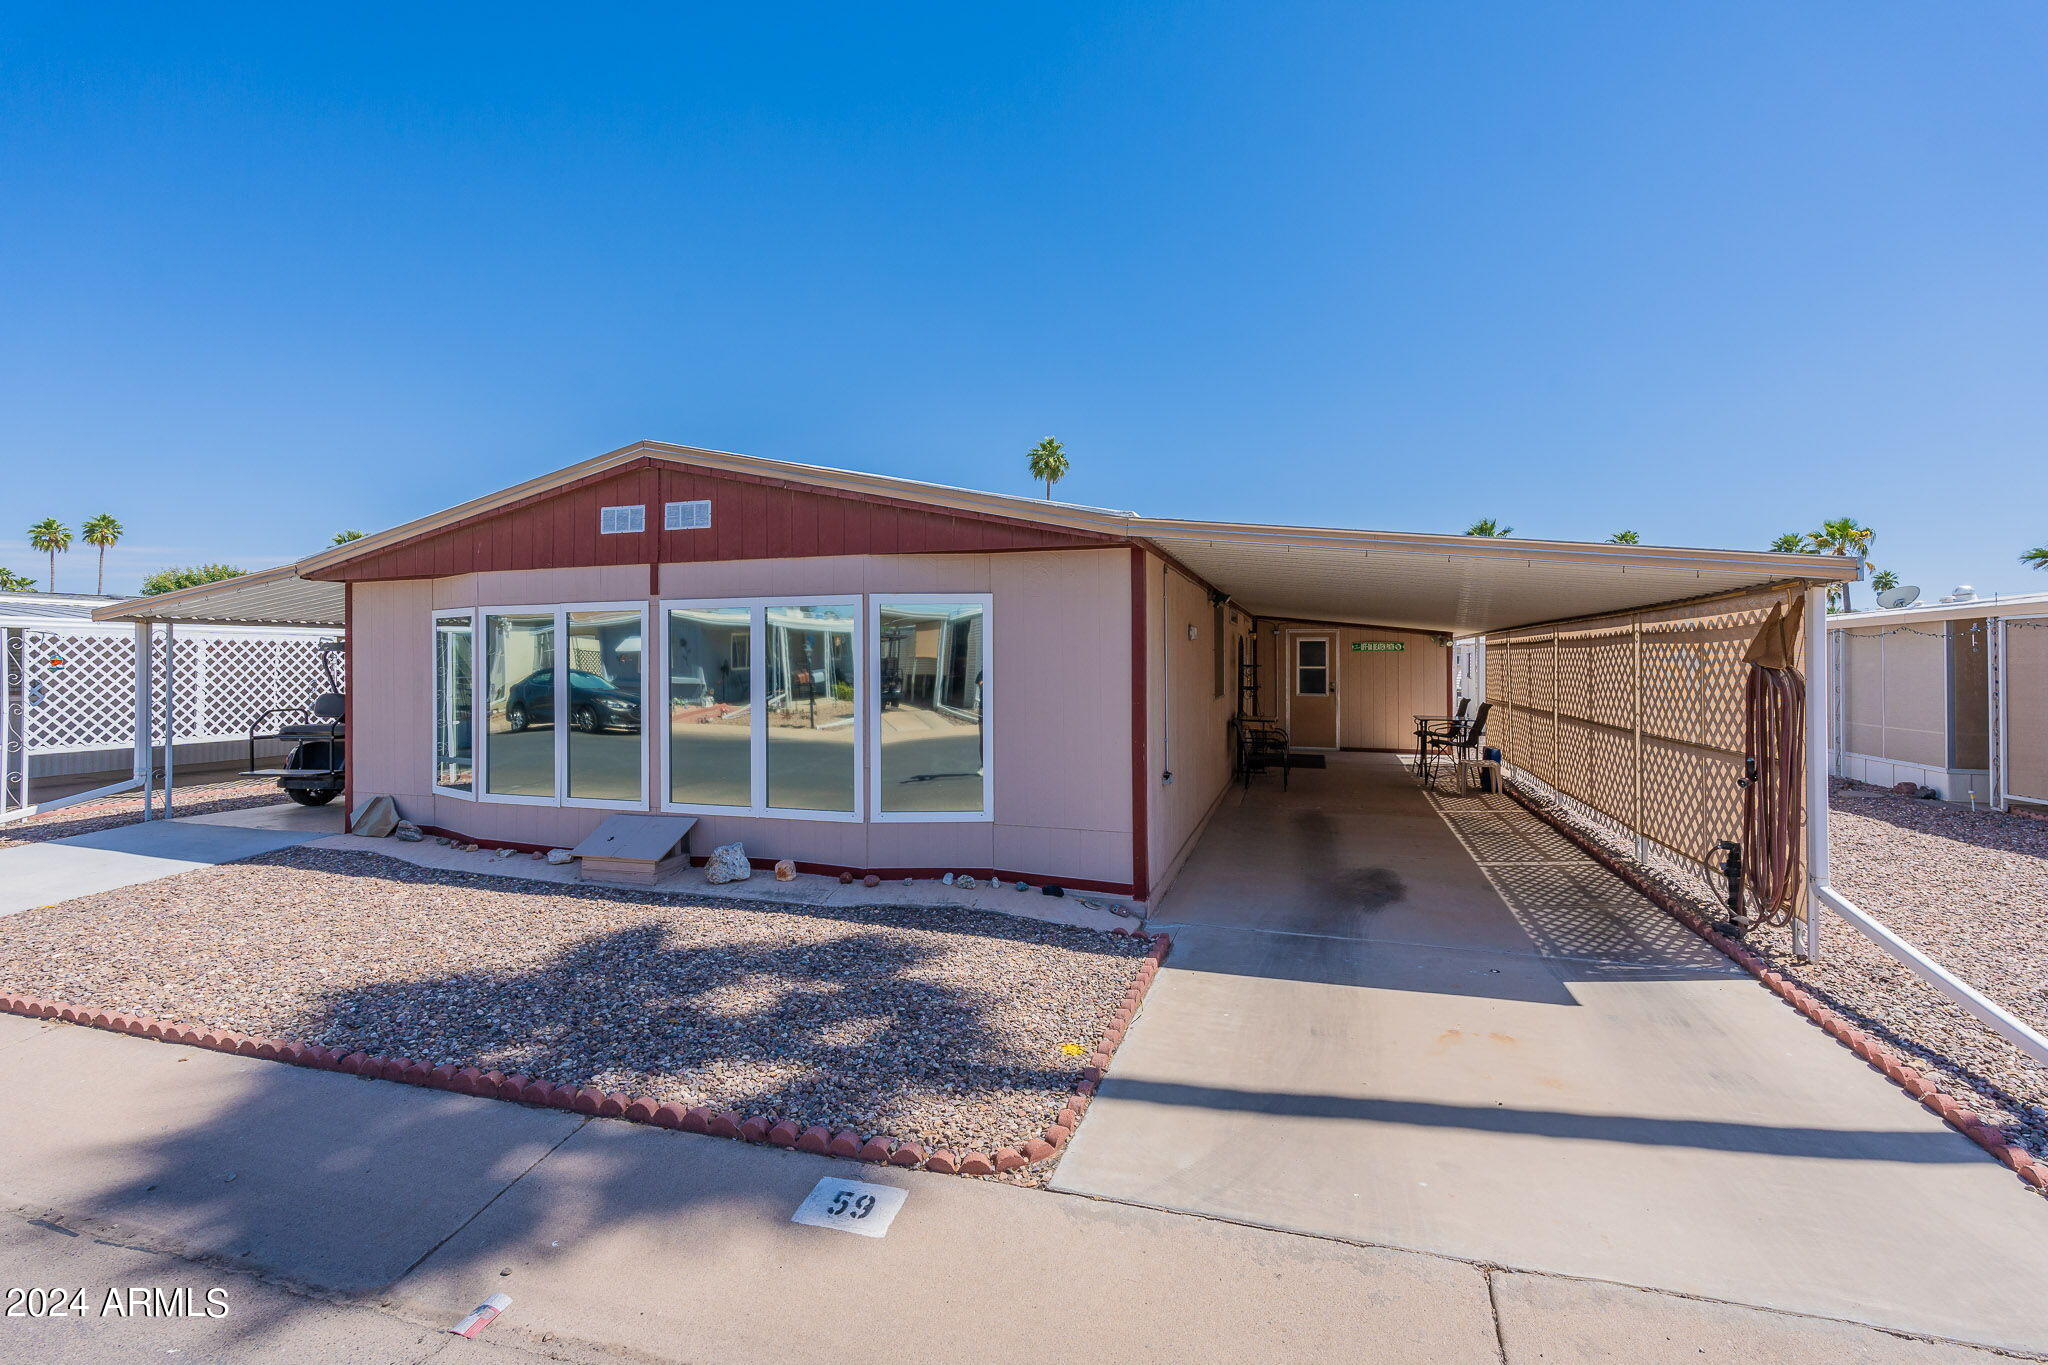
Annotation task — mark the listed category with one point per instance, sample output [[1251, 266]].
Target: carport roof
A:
[[1461, 585], [271, 597]]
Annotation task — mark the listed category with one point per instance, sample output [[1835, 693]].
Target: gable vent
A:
[[616, 521], [686, 516]]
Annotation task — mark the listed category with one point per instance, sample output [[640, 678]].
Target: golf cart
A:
[[316, 768]]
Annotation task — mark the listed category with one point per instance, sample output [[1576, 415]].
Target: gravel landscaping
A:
[[90, 817], [955, 1028]]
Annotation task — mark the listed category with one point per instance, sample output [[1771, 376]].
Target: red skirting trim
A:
[[780, 1132], [1896, 1068]]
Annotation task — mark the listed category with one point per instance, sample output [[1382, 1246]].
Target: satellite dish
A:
[[1905, 595]]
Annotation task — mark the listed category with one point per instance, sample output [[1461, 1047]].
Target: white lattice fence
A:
[[81, 685]]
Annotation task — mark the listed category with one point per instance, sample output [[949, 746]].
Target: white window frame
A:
[[1327, 666], [757, 715], [872, 709], [480, 672], [435, 620]]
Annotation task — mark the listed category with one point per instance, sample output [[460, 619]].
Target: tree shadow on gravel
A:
[[344, 1185], [838, 1032]]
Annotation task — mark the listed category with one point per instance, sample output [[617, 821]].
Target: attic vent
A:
[[617, 521], [686, 516]]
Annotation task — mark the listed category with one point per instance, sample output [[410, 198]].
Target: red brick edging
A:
[[780, 1132], [1909, 1078]]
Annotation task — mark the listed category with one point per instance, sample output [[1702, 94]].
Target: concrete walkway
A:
[[353, 1220], [85, 864], [1446, 1030]]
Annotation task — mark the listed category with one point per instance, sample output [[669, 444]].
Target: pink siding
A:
[[1190, 723], [1059, 706]]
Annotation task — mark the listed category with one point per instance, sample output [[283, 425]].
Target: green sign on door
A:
[[1378, 646]]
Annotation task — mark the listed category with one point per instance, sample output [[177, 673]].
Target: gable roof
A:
[[1449, 583]]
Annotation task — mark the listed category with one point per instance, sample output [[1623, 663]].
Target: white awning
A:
[[269, 597]]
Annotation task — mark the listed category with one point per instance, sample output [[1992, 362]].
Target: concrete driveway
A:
[[86, 864], [1446, 1030]]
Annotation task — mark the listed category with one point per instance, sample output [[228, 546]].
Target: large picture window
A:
[[561, 696], [931, 688], [454, 703], [765, 707]]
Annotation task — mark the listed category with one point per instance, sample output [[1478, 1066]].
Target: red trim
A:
[[348, 702], [1141, 731], [1036, 879]]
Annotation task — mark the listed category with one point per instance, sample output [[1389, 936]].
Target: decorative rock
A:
[[1021, 886], [846, 879], [728, 864], [871, 880], [785, 871], [1050, 890], [503, 852], [558, 856], [967, 884], [947, 879], [375, 818], [406, 832]]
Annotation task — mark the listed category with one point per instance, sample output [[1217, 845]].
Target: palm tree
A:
[[1841, 536], [101, 532], [1624, 538], [1791, 543], [50, 535], [1884, 580], [2036, 558], [10, 581], [1487, 526], [344, 537], [1048, 462]]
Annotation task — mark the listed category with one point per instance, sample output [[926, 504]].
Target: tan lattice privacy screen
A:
[[1637, 717]]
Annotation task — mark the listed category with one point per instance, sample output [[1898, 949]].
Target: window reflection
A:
[[602, 700], [810, 698], [933, 735], [453, 647], [710, 706], [519, 704]]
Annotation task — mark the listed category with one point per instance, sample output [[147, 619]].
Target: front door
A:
[[1312, 691]]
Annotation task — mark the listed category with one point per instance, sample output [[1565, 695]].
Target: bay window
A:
[[816, 708]]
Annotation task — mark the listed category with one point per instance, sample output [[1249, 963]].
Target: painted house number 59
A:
[[847, 1204]]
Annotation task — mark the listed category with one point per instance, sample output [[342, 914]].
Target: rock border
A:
[[1895, 1067], [770, 1129]]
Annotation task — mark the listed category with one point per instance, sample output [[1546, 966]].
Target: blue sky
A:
[[1710, 271]]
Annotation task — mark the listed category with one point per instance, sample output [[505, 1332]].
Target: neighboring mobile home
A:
[[1952, 696], [871, 674]]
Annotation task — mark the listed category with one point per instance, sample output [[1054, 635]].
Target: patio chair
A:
[[1456, 745], [1445, 725], [1260, 744]]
